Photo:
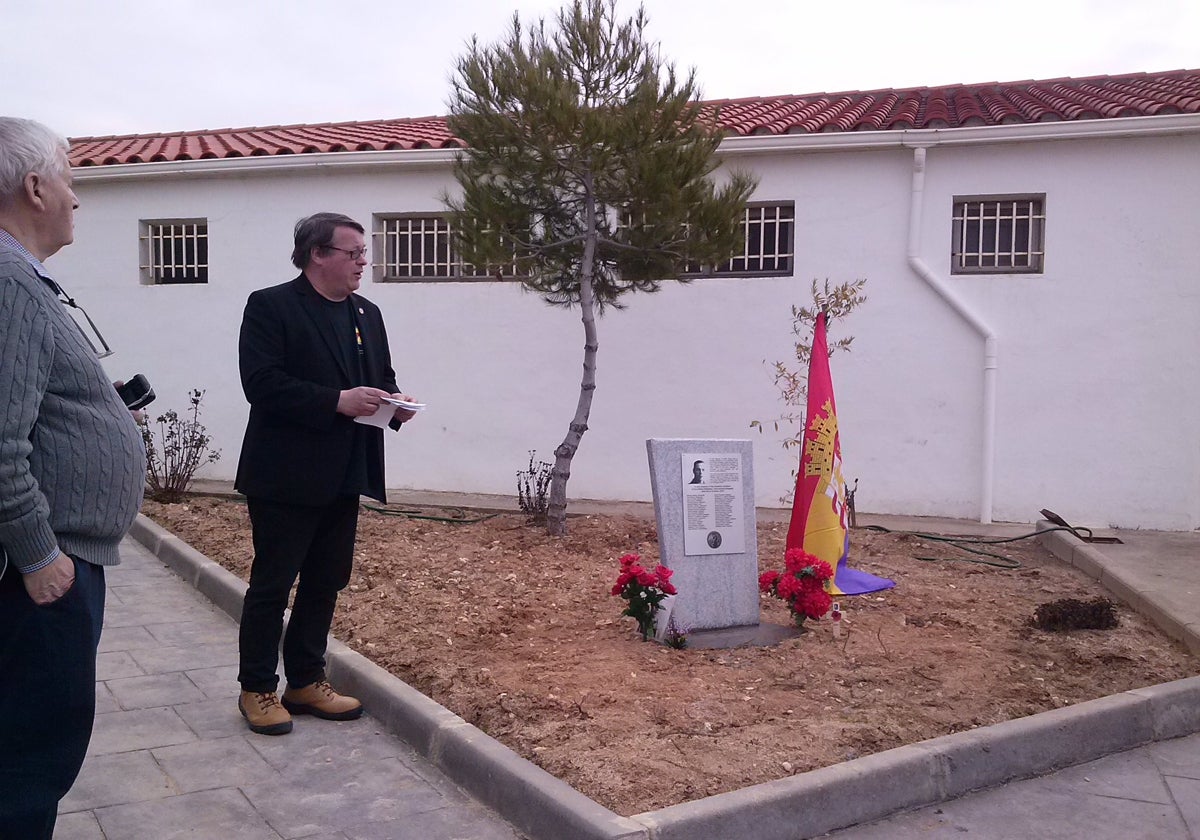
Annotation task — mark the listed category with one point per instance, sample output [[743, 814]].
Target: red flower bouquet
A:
[[802, 585], [643, 590]]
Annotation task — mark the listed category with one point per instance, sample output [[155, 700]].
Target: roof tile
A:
[[951, 106]]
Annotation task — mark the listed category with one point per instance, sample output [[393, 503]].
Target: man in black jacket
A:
[[313, 356]]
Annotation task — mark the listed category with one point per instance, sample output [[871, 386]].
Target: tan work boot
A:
[[320, 700], [262, 711]]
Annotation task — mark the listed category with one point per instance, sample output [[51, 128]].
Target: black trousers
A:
[[47, 697], [316, 545]]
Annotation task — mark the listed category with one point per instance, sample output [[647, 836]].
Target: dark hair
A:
[[316, 231]]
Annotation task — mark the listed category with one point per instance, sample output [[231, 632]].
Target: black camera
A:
[[136, 393]]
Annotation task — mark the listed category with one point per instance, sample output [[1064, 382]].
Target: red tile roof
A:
[[952, 106]]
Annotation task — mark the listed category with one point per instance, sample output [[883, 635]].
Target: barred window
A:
[[998, 235], [422, 248], [174, 251], [768, 237], [768, 234]]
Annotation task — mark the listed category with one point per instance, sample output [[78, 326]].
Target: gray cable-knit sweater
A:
[[72, 466]]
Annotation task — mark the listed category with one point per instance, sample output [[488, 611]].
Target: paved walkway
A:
[[1152, 792], [171, 757]]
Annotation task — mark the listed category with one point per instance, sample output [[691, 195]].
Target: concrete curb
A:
[[925, 773], [805, 805]]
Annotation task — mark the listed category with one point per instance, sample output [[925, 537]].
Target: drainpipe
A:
[[988, 456]]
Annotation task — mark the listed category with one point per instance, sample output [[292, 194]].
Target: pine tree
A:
[[586, 175]]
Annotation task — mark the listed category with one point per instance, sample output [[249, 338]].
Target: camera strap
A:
[[67, 300]]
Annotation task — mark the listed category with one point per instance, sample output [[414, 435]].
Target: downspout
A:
[[988, 456]]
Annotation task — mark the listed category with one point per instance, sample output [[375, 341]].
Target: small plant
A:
[[802, 585], [676, 636], [1072, 614], [643, 590], [176, 451], [533, 486]]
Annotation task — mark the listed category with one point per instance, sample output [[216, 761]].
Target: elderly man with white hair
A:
[[72, 470]]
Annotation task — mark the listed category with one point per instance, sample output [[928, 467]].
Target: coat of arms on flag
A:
[[819, 516]]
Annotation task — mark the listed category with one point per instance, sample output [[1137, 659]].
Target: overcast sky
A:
[[148, 66]]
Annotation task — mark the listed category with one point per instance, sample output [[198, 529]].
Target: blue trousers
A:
[[47, 697], [316, 545]]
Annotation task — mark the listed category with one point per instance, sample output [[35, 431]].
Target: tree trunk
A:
[[556, 513]]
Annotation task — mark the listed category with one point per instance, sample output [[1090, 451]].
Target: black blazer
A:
[[297, 447]]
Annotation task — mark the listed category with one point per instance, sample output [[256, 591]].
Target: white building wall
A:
[[1096, 417]]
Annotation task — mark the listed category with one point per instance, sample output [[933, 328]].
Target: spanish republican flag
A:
[[819, 524]]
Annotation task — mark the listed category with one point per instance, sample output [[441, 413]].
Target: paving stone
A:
[[1178, 757], [154, 690], [220, 681], [162, 660], [452, 823], [218, 630], [150, 569], [78, 826], [1128, 775], [125, 615], [170, 592], [1186, 793], [316, 743], [309, 800], [105, 702], [116, 779], [116, 664], [126, 638], [215, 718], [206, 815], [139, 729], [1040, 814], [204, 765]]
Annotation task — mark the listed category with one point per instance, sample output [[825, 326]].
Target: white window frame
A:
[[174, 251], [431, 252], [998, 234]]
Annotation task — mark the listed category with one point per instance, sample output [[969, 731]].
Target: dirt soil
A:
[[517, 633]]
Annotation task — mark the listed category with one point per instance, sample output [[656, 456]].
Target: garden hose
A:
[[460, 519], [966, 543]]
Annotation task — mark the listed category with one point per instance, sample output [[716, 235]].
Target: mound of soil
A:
[[517, 633]]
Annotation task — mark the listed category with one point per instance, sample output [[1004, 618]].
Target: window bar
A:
[[746, 222], [190, 269], [780, 239], [160, 252], [964, 258], [1012, 236]]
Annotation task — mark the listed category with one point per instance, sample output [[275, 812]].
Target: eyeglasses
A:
[[356, 254]]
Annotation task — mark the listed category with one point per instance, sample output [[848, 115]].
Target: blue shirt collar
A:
[[7, 238]]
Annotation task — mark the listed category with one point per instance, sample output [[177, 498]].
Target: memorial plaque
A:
[[712, 503], [704, 504]]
